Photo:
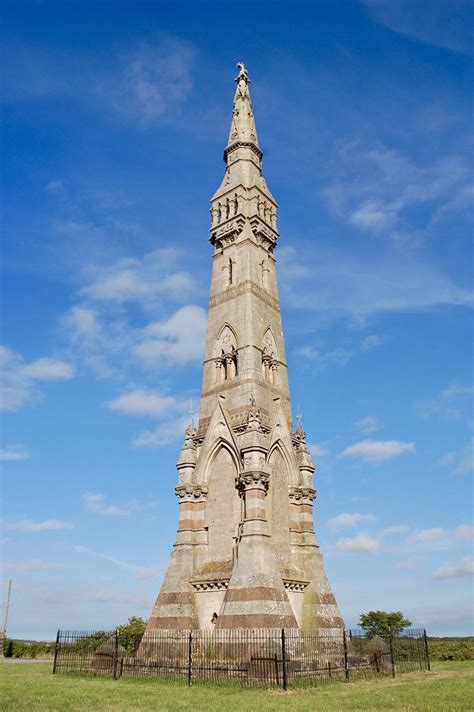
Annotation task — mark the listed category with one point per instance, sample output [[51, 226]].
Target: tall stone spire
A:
[[242, 128], [246, 553]]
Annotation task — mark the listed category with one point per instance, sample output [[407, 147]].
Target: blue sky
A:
[[115, 117]]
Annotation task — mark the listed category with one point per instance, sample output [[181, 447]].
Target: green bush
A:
[[451, 648], [27, 648]]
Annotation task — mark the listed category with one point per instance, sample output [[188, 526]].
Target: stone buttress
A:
[[246, 554]]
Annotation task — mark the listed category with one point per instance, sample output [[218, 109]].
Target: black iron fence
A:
[[272, 657]]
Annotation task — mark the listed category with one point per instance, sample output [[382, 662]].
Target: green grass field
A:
[[32, 687]]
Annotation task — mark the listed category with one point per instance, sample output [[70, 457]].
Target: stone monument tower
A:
[[246, 555]]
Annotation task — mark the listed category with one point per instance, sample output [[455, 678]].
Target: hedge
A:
[[440, 648]]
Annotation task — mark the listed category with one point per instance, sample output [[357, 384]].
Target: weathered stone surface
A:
[[246, 553]]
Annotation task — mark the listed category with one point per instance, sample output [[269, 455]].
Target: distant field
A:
[[450, 686]]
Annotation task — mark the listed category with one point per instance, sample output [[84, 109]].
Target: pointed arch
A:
[[269, 343], [224, 505], [278, 512], [219, 444], [226, 354], [269, 357], [226, 339]]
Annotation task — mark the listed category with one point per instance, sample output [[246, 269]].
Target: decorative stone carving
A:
[[255, 477], [302, 494], [210, 585], [191, 492]]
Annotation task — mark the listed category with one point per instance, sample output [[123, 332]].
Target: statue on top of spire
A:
[[243, 74]]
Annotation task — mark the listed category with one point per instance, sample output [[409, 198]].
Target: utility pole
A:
[[5, 618]]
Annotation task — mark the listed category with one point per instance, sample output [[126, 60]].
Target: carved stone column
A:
[[192, 506]]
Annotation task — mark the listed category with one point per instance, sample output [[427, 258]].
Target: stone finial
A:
[[243, 74], [254, 415], [243, 129]]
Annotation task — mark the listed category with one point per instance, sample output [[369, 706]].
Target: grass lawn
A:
[[32, 687]]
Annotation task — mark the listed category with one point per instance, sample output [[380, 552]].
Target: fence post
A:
[[392, 656], [283, 656], [346, 656], [190, 658], [115, 658], [427, 652], [56, 651]]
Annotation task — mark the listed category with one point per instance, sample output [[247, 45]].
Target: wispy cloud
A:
[[141, 572], [369, 424], [20, 378], [446, 25], [372, 341], [448, 404], [428, 535], [144, 279], [14, 452], [349, 521], [377, 450], [395, 529], [27, 525], [155, 81], [377, 188], [143, 402], [409, 564], [360, 543], [440, 538], [458, 569], [375, 283], [178, 339], [318, 450], [97, 503], [166, 432]]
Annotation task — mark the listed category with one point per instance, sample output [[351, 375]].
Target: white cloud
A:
[[178, 339], [157, 81], [55, 187], [376, 188], [27, 525], [339, 356], [14, 452], [19, 386], [164, 434], [465, 460], [409, 564], [458, 569], [428, 535], [377, 450], [96, 503], [465, 532], [395, 529], [447, 404], [48, 369], [369, 424], [371, 342], [349, 521], [143, 402], [439, 538], [142, 280], [361, 543], [454, 390], [318, 450], [446, 25], [141, 572], [384, 281]]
